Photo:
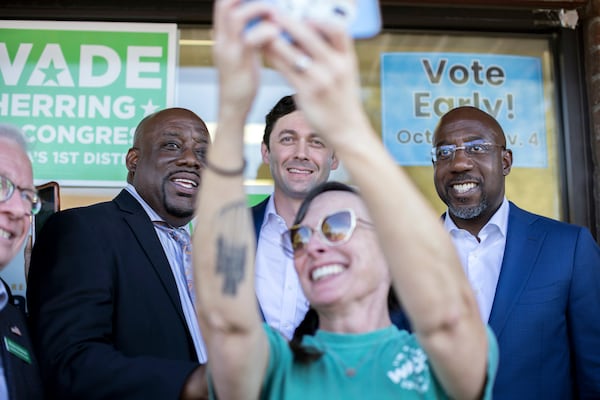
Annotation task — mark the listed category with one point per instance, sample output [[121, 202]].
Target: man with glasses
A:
[[19, 375], [536, 280]]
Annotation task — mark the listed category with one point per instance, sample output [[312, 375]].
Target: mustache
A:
[[300, 164], [185, 171], [465, 177]]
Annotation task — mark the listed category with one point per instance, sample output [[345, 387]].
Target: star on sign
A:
[[51, 75], [149, 108]]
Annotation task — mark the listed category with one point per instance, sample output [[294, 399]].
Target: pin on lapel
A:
[[15, 329]]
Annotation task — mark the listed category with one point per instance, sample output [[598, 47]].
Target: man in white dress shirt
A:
[[535, 279], [298, 159]]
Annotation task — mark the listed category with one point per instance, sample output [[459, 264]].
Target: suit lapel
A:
[[523, 244], [258, 215], [20, 366], [142, 228]]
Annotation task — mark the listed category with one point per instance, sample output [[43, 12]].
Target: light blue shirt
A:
[[172, 250]]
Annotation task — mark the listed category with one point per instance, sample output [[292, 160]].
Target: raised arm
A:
[[425, 268], [224, 243]]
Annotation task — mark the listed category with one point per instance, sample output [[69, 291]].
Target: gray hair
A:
[[14, 134]]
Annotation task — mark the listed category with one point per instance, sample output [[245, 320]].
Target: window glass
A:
[[408, 80]]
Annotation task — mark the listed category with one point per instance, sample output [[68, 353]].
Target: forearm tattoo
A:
[[233, 224]]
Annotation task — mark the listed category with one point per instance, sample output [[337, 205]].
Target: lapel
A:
[[20, 374], [258, 215], [143, 230], [523, 244]]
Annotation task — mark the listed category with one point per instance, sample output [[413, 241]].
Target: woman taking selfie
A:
[[348, 248]]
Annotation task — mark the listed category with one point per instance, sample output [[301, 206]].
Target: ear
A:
[[131, 160], [507, 160], [334, 161], [265, 153]]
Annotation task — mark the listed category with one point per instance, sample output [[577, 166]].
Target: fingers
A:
[[235, 50], [321, 52], [319, 40], [239, 17]]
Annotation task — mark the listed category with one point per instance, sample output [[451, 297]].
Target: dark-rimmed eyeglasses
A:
[[30, 196], [475, 148], [335, 229]]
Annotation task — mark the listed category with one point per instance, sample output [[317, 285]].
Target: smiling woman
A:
[[345, 263]]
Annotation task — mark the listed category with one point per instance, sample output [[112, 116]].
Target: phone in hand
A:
[[362, 17]]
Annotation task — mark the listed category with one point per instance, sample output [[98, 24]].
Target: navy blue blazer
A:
[[258, 215], [545, 311], [106, 318], [21, 369]]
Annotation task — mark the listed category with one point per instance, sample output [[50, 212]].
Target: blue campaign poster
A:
[[418, 88]]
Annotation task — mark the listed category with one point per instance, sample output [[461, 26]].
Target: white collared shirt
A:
[[277, 286], [170, 247], [482, 259]]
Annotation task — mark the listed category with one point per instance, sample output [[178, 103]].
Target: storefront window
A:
[[408, 80]]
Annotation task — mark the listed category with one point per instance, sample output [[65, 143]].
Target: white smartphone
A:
[[362, 17]]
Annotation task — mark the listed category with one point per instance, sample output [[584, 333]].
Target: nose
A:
[[302, 149], [315, 244], [16, 205], [189, 157], [461, 161]]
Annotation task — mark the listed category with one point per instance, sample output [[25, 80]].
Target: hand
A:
[[196, 385], [328, 84], [236, 50]]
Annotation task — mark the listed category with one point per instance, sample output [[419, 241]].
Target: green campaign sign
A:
[[78, 90]]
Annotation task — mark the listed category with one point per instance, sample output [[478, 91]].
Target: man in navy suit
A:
[[537, 280], [19, 370], [111, 314], [299, 159]]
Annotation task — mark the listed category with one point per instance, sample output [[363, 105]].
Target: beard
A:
[[179, 212], [468, 212], [176, 210]]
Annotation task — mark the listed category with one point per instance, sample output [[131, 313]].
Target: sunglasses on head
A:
[[334, 229]]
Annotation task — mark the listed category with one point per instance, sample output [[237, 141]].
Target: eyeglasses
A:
[[334, 229], [7, 189], [474, 149]]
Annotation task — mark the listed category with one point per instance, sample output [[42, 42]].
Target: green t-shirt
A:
[[385, 364]]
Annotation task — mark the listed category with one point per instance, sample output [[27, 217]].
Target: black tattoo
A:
[[232, 245]]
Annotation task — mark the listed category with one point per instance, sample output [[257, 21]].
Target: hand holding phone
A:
[[362, 17]]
